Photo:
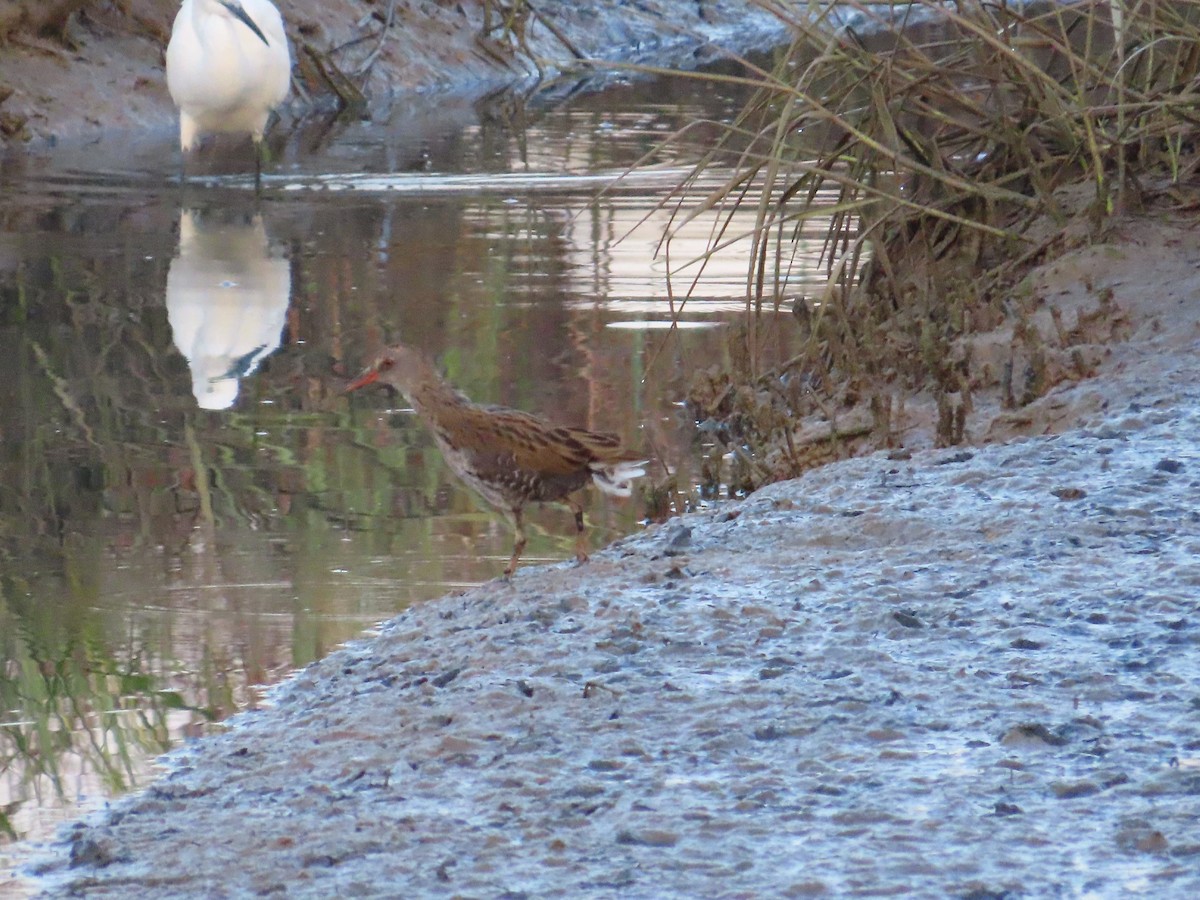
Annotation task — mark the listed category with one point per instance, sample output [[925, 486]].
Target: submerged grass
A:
[[932, 154]]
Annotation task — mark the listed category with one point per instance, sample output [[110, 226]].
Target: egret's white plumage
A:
[[228, 66]]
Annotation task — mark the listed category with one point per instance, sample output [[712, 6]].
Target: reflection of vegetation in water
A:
[[94, 460], [77, 704], [96, 434]]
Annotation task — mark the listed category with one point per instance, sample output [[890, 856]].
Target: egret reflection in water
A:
[[227, 299]]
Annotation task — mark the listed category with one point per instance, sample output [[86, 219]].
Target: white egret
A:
[[228, 66]]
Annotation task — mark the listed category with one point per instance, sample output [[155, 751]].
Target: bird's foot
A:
[[581, 557]]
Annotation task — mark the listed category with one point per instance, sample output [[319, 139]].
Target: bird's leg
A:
[[187, 142], [258, 161], [518, 546], [580, 546]]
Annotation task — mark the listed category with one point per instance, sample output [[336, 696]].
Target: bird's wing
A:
[[528, 442]]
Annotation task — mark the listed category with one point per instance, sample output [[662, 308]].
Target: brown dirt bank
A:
[[96, 66]]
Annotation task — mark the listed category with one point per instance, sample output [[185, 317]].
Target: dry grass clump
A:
[[948, 150]]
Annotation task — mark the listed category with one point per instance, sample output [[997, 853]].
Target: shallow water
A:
[[190, 509]]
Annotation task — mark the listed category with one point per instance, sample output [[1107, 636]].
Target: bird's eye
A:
[[386, 363]]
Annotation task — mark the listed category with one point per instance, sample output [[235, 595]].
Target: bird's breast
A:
[[217, 67]]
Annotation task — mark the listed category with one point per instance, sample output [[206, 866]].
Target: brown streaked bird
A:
[[509, 457]]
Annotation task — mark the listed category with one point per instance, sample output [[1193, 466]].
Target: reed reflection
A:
[[227, 299], [84, 709]]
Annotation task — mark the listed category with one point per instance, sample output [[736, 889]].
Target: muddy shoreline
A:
[[99, 79], [961, 672], [964, 672]]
